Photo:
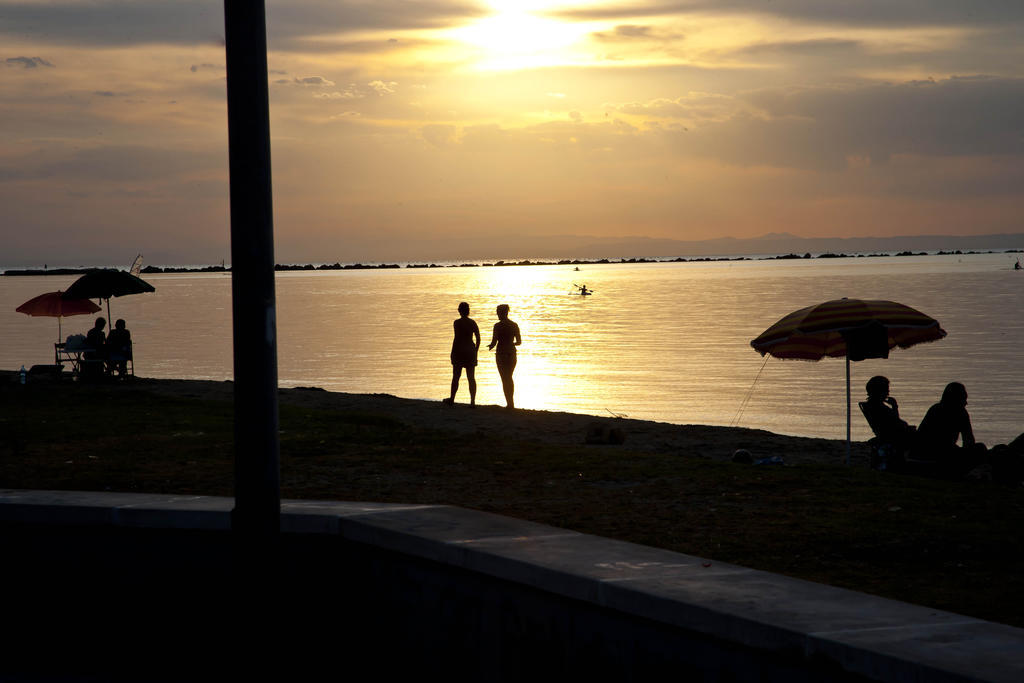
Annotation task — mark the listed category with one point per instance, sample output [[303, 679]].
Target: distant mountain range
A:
[[516, 248], [784, 243], [570, 246]]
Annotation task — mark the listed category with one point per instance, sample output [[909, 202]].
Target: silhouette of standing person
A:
[[506, 338], [464, 349]]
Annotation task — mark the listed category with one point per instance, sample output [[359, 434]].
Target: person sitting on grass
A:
[[943, 425], [1008, 462]]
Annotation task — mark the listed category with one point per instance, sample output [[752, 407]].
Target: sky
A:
[[475, 128]]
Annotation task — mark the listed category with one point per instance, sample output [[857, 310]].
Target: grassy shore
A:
[[950, 545]]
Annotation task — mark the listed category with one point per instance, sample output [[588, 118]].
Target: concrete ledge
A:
[[853, 634]]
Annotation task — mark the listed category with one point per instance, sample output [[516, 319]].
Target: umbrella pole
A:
[[847, 410]]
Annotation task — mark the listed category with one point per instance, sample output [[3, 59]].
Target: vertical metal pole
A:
[[257, 478]]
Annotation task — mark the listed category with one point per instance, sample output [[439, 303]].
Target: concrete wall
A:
[[144, 587]]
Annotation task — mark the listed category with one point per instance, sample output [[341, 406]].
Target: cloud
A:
[[27, 62], [289, 22], [958, 115], [114, 22], [205, 67], [315, 81], [438, 135], [486, 141], [696, 107], [382, 88], [340, 43], [352, 91], [112, 163], [193, 22], [827, 128], [625, 33], [862, 13], [823, 127], [632, 31], [803, 48]]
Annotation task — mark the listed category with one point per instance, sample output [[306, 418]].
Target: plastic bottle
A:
[[22, 373]]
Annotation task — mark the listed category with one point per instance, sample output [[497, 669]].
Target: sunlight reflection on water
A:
[[666, 341]]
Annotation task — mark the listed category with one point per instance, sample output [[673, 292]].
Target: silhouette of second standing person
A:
[[464, 350], [506, 338]]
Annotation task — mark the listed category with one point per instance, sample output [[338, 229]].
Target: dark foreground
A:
[[954, 546]]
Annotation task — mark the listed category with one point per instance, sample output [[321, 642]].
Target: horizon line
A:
[[384, 265]]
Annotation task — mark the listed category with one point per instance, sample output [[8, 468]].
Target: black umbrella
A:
[[103, 283]]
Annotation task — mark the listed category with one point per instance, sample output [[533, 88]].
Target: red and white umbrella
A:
[[852, 328], [53, 305]]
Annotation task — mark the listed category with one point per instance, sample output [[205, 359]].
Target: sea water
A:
[[657, 341]]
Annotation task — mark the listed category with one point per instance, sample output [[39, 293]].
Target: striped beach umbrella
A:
[[852, 328]]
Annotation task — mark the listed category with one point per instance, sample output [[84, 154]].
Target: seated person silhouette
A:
[[943, 425], [893, 436], [1007, 462], [95, 341], [119, 348], [96, 337]]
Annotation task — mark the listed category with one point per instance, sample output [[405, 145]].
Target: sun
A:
[[517, 36]]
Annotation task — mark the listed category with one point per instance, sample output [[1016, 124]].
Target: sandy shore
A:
[[550, 427]]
